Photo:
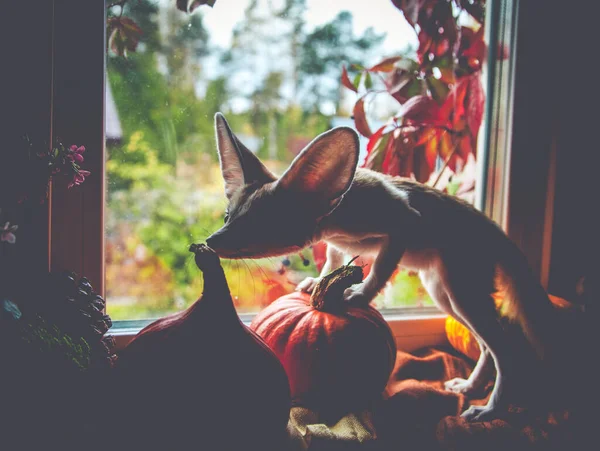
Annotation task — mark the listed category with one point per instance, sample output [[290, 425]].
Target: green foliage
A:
[[325, 50], [189, 33], [135, 166], [141, 94], [163, 105], [48, 339], [171, 228], [216, 96]]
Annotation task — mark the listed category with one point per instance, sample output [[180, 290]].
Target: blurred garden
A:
[[280, 80]]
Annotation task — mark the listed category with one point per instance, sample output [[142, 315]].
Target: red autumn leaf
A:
[[399, 160], [438, 31], [464, 105], [124, 35], [374, 139], [472, 47], [420, 166], [375, 158], [189, 6], [452, 111], [431, 151], [396, 82], [346, 80], [129, 25], [391, 160], [377, 142], [385, 165], [466, 146], [446, 150], [425, 47], [425, 135], [471, 42], [387, 65], [360, 119], [410, 9], [401, 83], [421, 110], [406, 163]]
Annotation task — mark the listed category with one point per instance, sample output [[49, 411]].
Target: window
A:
[[274, 69], [79, 110]]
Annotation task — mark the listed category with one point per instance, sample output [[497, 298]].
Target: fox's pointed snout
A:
[[216, 242], [225, 243]]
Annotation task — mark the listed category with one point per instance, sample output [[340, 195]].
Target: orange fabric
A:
[[419, 414]]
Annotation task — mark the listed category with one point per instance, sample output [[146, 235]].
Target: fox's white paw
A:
[[460, 385], [357, 295], [308, 284], [479, 413]]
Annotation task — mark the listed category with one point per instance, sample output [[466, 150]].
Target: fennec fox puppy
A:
[[461, 256]]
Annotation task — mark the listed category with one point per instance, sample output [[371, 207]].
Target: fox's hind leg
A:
[[434, 282], [469, 288], [476, 381]]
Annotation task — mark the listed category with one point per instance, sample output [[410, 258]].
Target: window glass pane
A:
[[275, 69]]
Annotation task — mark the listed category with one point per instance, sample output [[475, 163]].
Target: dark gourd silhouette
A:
[[200, 379]]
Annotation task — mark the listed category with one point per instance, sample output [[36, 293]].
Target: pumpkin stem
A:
[[328, 295], [215, 294]]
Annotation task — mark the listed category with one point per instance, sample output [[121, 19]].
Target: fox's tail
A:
[[522, 299]]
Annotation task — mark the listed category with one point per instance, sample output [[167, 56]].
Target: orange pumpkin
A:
[[337, 359]]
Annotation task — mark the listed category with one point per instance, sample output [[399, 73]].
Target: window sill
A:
[[412, 328]]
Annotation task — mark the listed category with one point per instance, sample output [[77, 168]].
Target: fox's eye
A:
[[226, 217]]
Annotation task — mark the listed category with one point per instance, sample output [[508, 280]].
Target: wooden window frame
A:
[[78, 71], [77, 216]]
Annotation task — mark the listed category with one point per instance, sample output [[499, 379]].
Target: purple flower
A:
[[76, 157], [7, 233], [78, 178], [75, 153]]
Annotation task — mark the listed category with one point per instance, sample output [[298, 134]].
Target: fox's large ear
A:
[[326, 166], [239, 165]]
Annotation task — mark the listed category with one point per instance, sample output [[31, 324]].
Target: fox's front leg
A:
[[334, 259], [384, 266]]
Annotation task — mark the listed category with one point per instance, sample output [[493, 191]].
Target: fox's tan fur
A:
[[462, 257]]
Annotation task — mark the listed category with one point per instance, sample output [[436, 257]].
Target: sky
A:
[[380, 14]]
